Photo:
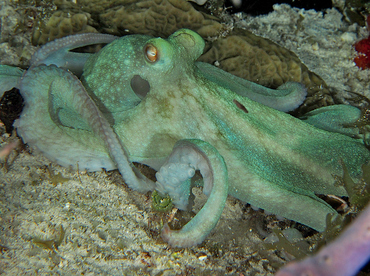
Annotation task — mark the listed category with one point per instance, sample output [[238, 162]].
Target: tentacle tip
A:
[[167, 236], [177, 239], [166, 232]]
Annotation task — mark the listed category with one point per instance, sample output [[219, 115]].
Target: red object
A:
[[363, 48]]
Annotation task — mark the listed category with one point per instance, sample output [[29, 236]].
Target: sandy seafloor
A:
[[112, 230]]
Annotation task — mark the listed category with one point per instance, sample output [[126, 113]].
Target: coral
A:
[[159, 18], [363, 48], [61, 24], [362, 60]]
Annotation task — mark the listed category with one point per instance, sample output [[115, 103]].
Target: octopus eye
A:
[[151, 53]]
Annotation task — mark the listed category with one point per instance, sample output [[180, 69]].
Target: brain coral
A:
[[61, 24], [160, 18]]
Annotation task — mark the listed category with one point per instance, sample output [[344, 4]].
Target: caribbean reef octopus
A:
[[146, 100]]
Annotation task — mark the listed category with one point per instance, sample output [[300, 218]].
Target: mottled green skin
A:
[[274, 161]]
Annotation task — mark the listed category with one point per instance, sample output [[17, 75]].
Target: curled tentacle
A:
[[173, 178], [286, 97], [58, 51], [62, 121]]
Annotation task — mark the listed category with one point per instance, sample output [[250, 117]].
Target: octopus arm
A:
[[187, 157], [58, 52], [61, 120], [335, 118], [286, 97], [9, 78]]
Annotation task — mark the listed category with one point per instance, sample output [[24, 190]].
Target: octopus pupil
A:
[[151, 53]]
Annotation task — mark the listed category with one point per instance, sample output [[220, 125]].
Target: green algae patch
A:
[[161, 203]]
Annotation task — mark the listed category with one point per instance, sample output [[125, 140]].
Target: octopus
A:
[[147, 100]]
